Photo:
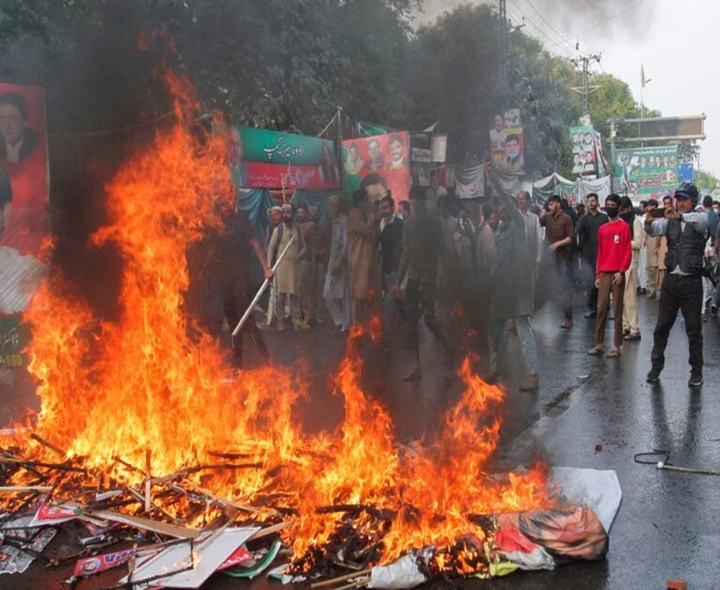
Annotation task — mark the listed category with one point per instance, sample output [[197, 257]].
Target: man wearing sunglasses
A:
[[686, 233]]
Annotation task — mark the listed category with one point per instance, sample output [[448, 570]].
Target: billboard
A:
[[584, 152], [507, 148], [379, 160], [23, 211], [647, 171], [260, 158]]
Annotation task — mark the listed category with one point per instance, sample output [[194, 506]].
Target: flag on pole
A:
[[642, 76]]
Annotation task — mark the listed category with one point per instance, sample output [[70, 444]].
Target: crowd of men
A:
[[426, 260]]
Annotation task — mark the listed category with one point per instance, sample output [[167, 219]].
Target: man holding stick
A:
[[236, 279]]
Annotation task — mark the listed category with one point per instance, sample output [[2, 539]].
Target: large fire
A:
[[139, 396]]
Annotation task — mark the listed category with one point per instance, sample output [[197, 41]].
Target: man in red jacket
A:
[[613, 260]]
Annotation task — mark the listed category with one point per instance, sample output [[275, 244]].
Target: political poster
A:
[[379, 163], [507, 148], [261, 158], [647, 171], [584, 151], [23, 212]]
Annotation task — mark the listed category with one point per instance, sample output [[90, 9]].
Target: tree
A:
[[452, 76], [706, 181]]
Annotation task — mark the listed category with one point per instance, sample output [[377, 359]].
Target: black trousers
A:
[[588, 275], [236, 297], [420, 303], [683, 293]]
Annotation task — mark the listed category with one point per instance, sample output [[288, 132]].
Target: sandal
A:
[[596, 351], [613, 353]]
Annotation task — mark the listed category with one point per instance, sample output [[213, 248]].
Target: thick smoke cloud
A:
[[571, 18]]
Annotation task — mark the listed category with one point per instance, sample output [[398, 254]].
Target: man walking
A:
[[686, 232], [631, 328], [391, 231], [337, 289], [651, 260], [511, 293], [587, 233], [362, 227], [559, 236], [422, 244], [614, 255]]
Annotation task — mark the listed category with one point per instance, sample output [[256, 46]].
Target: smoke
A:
[[572, 20]]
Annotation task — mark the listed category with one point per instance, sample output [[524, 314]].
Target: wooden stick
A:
[[229, 503], [265, 285], [333, 581], [148, 478], [276, 528], [355, 584], [45, 443], [21, 489]]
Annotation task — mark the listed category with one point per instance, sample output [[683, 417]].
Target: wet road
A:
[[668, 525]]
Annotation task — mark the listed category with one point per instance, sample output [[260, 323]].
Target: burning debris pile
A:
[[158, 462]]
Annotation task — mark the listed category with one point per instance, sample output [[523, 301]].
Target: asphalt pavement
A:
[[590, 412]]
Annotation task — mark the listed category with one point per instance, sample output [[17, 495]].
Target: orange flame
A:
[[121, 388]]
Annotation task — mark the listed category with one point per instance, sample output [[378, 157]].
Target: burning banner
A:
[[260, 158], [23, 210], [507, 148], [381, 161]]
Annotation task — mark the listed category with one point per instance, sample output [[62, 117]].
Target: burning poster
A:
[[260, 158], [23, 206], [647, 171], [381, 162], [584, 153], [506, 142]]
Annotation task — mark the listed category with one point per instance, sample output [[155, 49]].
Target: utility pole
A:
[[584, 64], [503, 52]]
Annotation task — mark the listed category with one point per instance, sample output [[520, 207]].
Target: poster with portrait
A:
[[261, 158], [584, 152], [647, 171], [23, 211], [381, 162], [507, 148]]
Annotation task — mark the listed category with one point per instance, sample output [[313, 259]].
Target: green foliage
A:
[[289, 63], [706, 181]]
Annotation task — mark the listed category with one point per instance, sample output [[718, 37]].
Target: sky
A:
[[676, 42]]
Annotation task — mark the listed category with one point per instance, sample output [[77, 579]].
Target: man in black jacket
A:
[[686, 233], [587, 233]]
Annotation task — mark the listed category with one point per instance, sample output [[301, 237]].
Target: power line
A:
[[544, 20], [608, 19], [542, 32]]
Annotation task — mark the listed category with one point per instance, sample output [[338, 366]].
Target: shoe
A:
[[590, 315], [566, 325], [531, 383], [613, 353], [491, 378], [596, 351], [632, 336], [653, 376], [696, 379]]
